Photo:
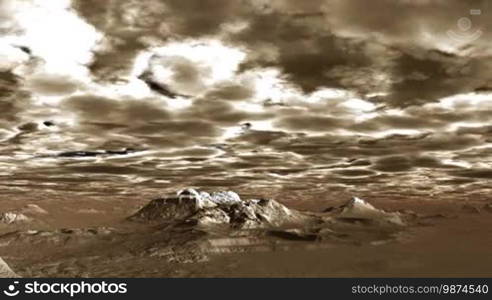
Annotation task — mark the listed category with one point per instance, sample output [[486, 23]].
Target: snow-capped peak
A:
[[359, 204]]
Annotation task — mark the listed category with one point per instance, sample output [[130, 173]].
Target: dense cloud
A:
[[401, 50], [292, 95], [12, 98]]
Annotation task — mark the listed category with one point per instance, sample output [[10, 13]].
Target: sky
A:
[[389, 98]]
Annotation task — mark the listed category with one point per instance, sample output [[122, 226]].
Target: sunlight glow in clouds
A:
[[55, 34], [270, 85], [278, 82], [221, 60]]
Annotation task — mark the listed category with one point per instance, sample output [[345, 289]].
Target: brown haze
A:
[[308, 102]]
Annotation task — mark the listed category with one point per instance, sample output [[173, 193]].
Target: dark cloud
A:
[[474, 155], [394, 164], [260, 137], [73, 154], [387, 121], [420, 143], [158, 87], [220, 112], [124, 112], [130, 25], [307, 50], [312, 123], [423, 78], [28, 127], [398, 163], [186, 129], [435, 16], [308, 42], [481, 130], [354, 172], [191, 152], [230, 91], [473, 173], [187, 77], [104, 169], [460, 113], [13, 98], [52, 85]]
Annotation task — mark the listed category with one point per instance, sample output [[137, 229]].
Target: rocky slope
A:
[[5, 271], [26, 217], [221, 208], [193, 226]]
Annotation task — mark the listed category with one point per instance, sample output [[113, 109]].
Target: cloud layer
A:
[[340, 96]]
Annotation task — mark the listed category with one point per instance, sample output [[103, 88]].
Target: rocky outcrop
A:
[[221, 208], [255, 223], [193, 226], [198, 208], [5, 271], [13, 218], [358, 209], [22, 216]]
